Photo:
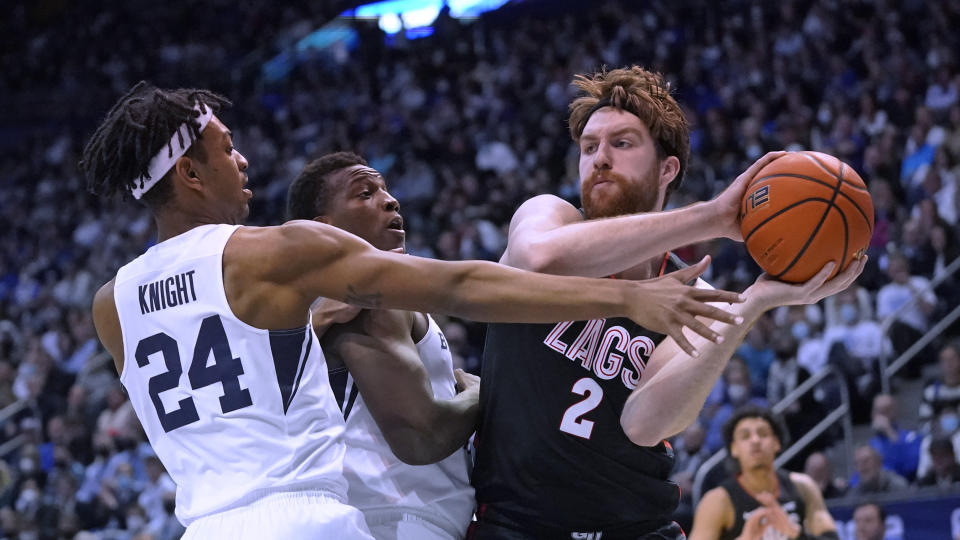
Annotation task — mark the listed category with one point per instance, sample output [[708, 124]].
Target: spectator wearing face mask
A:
[[943, 392], [944, 469], [737, 393], [855, 342], [946, 425]]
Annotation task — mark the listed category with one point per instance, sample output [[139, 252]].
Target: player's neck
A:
[[173, 223], [758, 480]]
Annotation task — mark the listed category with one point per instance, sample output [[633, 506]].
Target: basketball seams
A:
[[850, 199], [841, 177], [816, 229], [782, 211]]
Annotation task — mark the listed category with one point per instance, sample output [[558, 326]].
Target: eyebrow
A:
[[615, 132], [364, 174]]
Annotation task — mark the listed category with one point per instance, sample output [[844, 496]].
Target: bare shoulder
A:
[[805, 484], [546, 207], [106, 320], [717, 507], [283, 245]]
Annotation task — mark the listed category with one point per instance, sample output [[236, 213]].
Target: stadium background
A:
[[465, 116]]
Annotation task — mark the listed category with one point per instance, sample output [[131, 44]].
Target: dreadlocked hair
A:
[[643, 93], [117, 156]]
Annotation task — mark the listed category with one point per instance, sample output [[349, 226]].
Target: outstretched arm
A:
[[547, 234], [675, 384], [382, 357], [295, 263]]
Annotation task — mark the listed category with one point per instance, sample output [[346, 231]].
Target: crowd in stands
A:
[[465, 125]]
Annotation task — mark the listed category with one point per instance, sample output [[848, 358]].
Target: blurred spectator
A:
[[912, 322], [943, 393], [737, 393], [870, 476], [470, 120], [944, 471], [818, 468], [899, 447], [757, 353], [870, 523]]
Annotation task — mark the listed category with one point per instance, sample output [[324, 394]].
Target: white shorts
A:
[[293, 515], [400, 524]]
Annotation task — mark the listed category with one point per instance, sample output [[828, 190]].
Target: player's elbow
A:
[[533, 256], [640, 433]]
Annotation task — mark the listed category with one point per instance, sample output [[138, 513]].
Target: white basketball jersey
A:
[[233, 412], [378, 480]]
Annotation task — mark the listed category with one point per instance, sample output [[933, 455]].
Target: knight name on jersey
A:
[[607, 353], [167, 292]]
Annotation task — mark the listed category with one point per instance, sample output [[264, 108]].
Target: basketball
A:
[[802, 211]]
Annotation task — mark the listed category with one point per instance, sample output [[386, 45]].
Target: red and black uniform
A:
[[788, 497], [553, 460]]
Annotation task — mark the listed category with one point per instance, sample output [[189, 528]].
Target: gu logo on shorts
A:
[[759, 198], [586, 536]]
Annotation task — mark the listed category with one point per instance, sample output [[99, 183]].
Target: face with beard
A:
[[619, 169]]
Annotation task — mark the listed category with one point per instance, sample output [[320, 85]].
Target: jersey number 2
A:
[[225, 369], [573, 421]]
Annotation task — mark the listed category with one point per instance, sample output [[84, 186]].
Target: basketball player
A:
[[575, 415], [405, 465], [210, 329], [761, 502]]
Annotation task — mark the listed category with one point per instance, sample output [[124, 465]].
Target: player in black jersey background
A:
[[761, 502], [575, 415]]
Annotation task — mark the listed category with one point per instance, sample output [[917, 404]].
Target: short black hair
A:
[[117, 156], [880, 511], [307, 195], [753, 411]]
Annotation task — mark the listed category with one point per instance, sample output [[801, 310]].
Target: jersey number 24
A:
[[225, 369]]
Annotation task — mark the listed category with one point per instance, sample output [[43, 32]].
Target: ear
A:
[[185, 173], [669, 168]]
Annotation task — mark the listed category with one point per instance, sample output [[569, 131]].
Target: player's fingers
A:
[[698, 327], [820, 278], [717, 314], [692, 272], [683, 342], [762, 162], [716, 295]]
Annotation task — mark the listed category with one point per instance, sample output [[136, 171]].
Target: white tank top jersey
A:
[[378, 480], [234, 412]]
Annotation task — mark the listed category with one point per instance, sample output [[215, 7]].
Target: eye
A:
[[590, 148], [622, 143], [365, 194], [230, 149]]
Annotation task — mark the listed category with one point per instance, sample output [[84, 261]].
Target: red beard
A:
[[629, 198]]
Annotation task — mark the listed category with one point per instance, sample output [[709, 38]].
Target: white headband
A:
[[170, 153]]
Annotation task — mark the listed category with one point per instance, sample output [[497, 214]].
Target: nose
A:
[[390, 204], [241, 161], [603, 159]]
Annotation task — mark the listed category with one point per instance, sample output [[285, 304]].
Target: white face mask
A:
[[135, 523], [849, 313], [800, 330], [737, 392], [949, 423]]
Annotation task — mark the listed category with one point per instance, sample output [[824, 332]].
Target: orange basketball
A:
[[803, 210]]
